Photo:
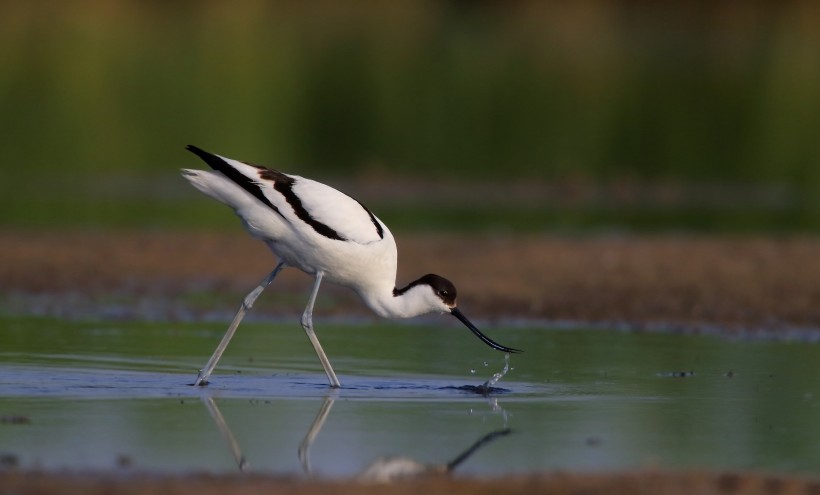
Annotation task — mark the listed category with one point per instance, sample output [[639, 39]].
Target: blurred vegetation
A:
[[99, 98]]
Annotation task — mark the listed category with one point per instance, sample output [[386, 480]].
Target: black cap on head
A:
[[446, 291], [442, 287]]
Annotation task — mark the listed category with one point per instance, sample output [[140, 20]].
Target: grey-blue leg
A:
[[307, 324], [204, 373]]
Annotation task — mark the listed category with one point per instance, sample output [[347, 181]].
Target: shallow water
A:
[[116, 395]]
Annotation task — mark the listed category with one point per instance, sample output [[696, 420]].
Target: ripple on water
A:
[[54, 382]]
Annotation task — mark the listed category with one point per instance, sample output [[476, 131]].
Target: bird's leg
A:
[[307, 324], [204, 373]]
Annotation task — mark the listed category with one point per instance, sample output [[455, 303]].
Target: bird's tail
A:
[[216, 186]]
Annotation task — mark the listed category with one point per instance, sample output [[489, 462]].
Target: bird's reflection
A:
[[313, 432], [386, 469], [226, 433], [383, 469]]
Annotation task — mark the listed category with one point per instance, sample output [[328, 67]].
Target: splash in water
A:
[[488, 387], [499, 375]]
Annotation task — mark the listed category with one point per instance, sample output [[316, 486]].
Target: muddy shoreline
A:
[[689, 283], [637, 483], [730, 285]]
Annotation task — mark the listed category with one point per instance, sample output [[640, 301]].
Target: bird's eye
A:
[[443, 293]]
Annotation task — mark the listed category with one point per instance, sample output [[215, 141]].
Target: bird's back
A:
[[310, 225]]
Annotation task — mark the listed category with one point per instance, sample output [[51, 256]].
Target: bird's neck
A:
[[387, 303]]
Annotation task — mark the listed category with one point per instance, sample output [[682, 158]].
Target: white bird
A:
[[325, 233]]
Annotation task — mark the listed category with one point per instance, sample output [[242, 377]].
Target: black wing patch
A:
[[241, 180], [379, 229], [284, 185]]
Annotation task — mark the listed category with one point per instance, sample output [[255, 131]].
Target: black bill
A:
[[495, 345]]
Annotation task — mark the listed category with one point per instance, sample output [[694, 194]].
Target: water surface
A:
[[116, 395]]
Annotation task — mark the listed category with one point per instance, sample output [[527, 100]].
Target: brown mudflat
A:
[[734, 284], [638, 483]]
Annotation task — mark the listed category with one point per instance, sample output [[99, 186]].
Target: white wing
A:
[[325, 205], [309, 206]]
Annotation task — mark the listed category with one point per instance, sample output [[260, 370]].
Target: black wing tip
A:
[[214, 161], [197, 151]]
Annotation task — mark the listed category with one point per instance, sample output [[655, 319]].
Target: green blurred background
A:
[[533, 116]]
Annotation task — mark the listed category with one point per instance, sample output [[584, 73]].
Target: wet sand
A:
[[729, 285]]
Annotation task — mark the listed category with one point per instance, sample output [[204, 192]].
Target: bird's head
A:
[[439, 294]]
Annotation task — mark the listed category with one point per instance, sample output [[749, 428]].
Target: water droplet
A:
[[497, 376]]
